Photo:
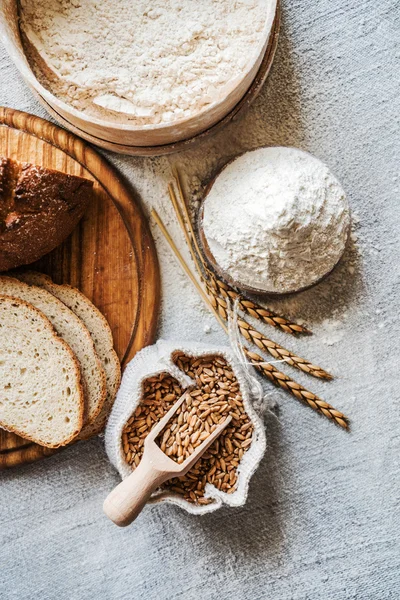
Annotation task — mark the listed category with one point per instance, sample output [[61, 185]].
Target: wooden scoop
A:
[[128, 499]]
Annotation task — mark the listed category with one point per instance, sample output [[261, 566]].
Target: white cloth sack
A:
[[157, 359]]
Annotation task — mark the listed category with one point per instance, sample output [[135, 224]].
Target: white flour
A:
[[147, 61], [276, 219]]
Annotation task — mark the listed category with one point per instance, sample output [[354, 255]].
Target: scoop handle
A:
[[128, 499]]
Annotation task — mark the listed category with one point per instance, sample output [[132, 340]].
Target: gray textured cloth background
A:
[[322, 519]]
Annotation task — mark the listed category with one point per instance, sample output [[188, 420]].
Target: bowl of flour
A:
[[143, 73], [274, 221]]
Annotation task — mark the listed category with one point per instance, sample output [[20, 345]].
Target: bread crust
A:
[[45, 321], [39, 208]]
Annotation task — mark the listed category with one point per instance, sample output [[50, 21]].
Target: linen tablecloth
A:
[[322, 519]]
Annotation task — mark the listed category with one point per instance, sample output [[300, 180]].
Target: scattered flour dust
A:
[[149, 61], [331, 331]]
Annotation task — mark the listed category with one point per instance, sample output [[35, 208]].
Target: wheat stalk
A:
[[217, 285], [268, 370]]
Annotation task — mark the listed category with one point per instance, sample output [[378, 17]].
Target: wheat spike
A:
[[297, 390], [253, 309], [278, 352], [264, 343]]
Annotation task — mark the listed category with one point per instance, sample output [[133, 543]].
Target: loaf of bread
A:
[[39, 208], [41, 396], [101, 335]]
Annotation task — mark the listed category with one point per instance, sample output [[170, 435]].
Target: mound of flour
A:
[[276, 219], [149, 61]]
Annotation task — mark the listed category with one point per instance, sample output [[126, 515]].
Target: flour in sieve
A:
[[149, 61], [276, 219]]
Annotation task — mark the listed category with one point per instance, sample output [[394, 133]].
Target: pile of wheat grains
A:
[[216, 395]]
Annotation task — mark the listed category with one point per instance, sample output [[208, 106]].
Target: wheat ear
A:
[[264, 343], [217, 286], [297, 390]]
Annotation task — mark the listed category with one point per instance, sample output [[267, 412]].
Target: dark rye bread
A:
[[39, 208]]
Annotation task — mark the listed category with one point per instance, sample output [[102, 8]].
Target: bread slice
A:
[[101, 334], [41, 396], [74, 332]]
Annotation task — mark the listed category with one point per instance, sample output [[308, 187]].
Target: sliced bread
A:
[[73, 331], [101, 334], [41, 396]]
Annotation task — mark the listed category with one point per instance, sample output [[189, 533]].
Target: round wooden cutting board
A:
[[110, 256]]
